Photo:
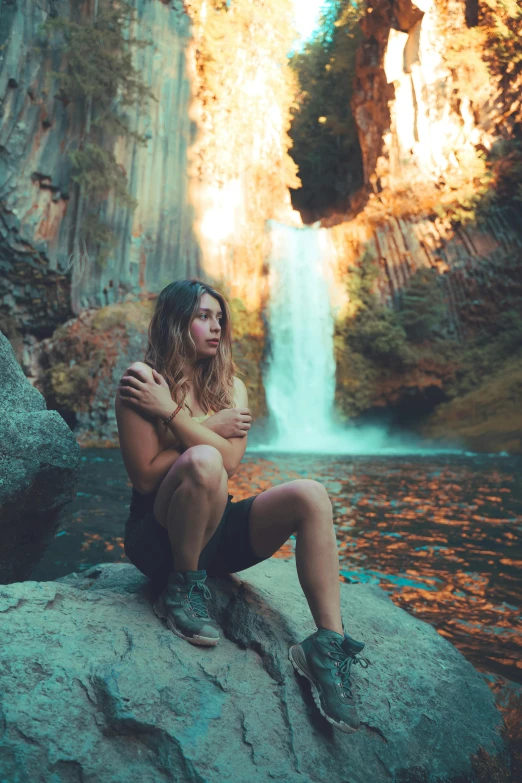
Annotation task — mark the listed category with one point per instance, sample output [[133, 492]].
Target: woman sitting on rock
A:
[[183, 421]]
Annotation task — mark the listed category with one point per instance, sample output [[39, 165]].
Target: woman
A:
[[183, 421]]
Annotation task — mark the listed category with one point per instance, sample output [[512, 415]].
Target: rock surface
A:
[[95, 688], [39, 462], [39, 207]]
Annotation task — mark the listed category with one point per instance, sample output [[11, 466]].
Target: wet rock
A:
[[95, 687], [39, 461]]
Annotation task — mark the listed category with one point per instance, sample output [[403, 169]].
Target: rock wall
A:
[[207, 180], [476, 263], [240, 167], [415, 122], [37, 218], [422, 137]]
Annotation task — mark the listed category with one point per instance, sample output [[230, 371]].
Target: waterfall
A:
[[300, 377]]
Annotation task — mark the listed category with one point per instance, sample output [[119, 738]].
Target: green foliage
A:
[[422, 307], [501, 22], [97, 171], [98, 234], [506, 171], [361, 282], [488, 46], [482, 356], [485, 60], [323, 131], [100, 79], [372, 330], [376, 334], [509, 336], [98, 51]]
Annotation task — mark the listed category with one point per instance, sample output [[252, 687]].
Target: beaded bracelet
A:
[[166, 422]]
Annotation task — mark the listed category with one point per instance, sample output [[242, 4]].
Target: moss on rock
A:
[[488, 418]]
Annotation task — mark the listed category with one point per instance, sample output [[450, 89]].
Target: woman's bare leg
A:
[[304, 508], [190, 503]]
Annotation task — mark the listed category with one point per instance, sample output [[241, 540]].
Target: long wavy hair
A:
[[170, 345]]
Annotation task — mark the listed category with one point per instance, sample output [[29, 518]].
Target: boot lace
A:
[[344, 663], [197, 598]]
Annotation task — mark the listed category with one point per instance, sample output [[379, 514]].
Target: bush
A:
[[509, 326], [422, 307], [376, 334]]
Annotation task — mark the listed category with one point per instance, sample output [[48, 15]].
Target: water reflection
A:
[[442, 534]]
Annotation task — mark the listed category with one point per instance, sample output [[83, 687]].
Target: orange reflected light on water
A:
[[419, 537]]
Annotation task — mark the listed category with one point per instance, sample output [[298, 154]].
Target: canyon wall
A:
[[156, 243], [436, 117], [205, 182], [216, 167], [423, 136], [428, 111]]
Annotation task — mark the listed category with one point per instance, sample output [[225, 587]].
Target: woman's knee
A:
[[310, 495], [199, 465], [203, 465]]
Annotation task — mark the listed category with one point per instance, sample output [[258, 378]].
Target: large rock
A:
[[39, 461], [96, 689]]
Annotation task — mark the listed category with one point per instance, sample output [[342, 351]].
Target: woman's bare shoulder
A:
[[240, 393], [238, 383], [140, 366]]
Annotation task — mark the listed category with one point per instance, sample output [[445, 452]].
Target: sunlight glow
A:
[[306, 13]]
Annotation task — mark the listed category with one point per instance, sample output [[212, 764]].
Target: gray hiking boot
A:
[[325, 659], [182, 605]]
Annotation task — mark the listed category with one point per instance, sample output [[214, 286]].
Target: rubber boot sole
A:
[[298, 660], [204, 641]]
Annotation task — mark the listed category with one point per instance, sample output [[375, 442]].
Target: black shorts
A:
[[148, 547]]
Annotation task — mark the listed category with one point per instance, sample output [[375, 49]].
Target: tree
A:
[[324, 134]]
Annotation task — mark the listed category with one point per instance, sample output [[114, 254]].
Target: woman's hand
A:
[[150, 396], [230, 422]]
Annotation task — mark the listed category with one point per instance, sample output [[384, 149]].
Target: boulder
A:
[[39, 467], [96, 689]]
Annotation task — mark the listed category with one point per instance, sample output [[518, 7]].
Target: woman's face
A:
[[206, 326]]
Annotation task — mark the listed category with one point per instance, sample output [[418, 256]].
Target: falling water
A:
[[300, 370], [300, 378]]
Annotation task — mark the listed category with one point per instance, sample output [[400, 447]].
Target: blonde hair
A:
[[170, 344]]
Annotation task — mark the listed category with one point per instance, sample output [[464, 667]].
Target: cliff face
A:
[[435, 117], [209, 176], [423, 138], [476, 263], [418, 122], [241, 171], [38, 204]]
